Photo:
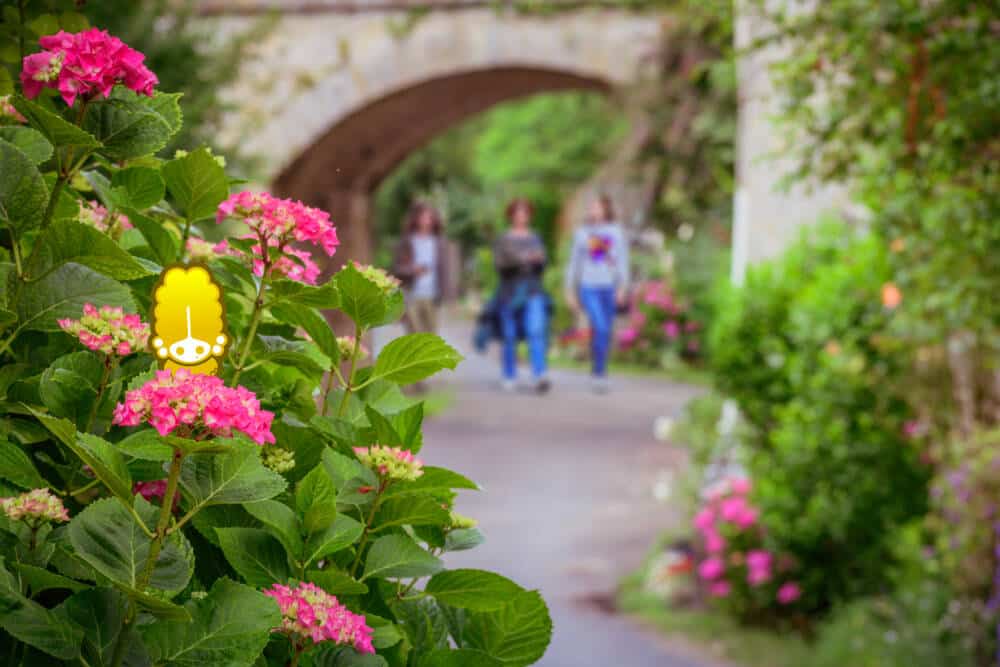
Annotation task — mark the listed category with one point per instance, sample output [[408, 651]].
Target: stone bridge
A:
[[337, 93]]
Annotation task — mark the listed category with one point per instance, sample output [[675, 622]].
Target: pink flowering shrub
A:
[[658, 321], [196, 407], [108, 330], [736, 565], [85, 64], [310, 614], [274, 225]]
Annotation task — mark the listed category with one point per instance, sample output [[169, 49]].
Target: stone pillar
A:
[[766, 219]]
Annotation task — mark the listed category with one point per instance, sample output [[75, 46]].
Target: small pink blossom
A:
[[789, 592], [628, 336], [711, 568], [719, 589], [391, 462], [714, 542], [310, 613], [740, 485], [36, 505], [199, 406], [671, 329], [704, 519], [151, 490], [108, 330], [85, 64], [200, 250], [759, 567], [93, 214], [8, 112]]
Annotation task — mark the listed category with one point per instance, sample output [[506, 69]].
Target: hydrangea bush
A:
[[658, 323], [276, 514]]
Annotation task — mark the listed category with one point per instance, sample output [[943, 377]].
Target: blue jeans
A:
[[599, 304], [536, 332]]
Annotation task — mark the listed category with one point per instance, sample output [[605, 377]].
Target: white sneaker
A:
[[600, 385]]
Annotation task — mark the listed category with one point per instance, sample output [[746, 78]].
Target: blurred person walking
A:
[[521, 303], [596, 280], [421, 263]]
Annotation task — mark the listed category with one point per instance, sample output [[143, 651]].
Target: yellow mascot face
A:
[[188, 327]]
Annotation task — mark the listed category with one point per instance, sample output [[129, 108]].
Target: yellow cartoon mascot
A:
[[188, 325]]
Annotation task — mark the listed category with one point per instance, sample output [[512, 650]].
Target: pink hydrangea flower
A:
[[390, 462], [108, 330], [310, 613], [628, 336], [719, 589], [704, 520], [85, 64], [8, 112], [98, 217], [711, 568], [200, 250], [759, 564], [789, 592], [36, 506], [740, 485], [671, 329], [277, 223], [714, 542], [195, 406], [150, 490]]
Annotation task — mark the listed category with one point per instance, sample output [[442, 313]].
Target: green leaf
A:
[[313, 323], [109, 539], [102, 457], [414, 357], [168, 105], [336, 582], [424, 623], [68, 387], [127, 125], [197, 184], [463, 657], [407, 511], [517, 634], [322, 296], [160, 241], [331, 655], [316, 500], [23, 194], [281, 521], [62, 294], [342, 533], [255, 554], [99, 612], [398, 556], [142, 185], [73, 22], [146, 445], [16, 467], [30, 142], [60, 133], [433, 479], [360, 299], [40, 580], [476, 590], [47, 630], [68, 241], [231, 626], [463, 539], [232, 478]]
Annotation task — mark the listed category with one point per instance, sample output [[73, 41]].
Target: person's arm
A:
[[402, 262]]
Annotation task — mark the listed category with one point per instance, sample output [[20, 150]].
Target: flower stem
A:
[[109, 366], [161, 526], [350, 373], [368, 525], [258, 312]]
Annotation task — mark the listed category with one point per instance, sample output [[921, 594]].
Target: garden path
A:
[[567, 505]]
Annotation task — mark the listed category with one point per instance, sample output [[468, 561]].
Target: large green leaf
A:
[[360, 299], [40, 580], [47, 630], [477, 590], [280, 520], [336, 582], [197, 183], [517, 634], [109, 539], [60, 133], [462, 657], [433, 479], [398, 556], [231, 626], [406, 511], [103, 458], [231, 478], [68, 387], [142, 186], [313, 323], [127, 125], [258, 557], [16, 467], [316, 500], [23, 193], [342, 533], [62, 294], [322, 296], [31, 142], [99, 612], [414, 357], [161, 241], [423, 622], [69, 241]]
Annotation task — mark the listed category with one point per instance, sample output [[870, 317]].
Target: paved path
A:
[[568, 504]]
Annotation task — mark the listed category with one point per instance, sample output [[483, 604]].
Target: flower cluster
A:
[[8, 112], [732, 540], [200, 250], [279, 460], [98, 217], [391, 462], [85, 64], [150, 490], [276, 223], [382, 279], [657, 321], [108, 330], [309, 612], [347, 346], [461, 522], [195, 406], [37, 505]]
